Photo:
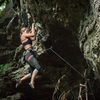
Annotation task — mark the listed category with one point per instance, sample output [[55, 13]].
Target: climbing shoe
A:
[[32, 85], [17, 84]]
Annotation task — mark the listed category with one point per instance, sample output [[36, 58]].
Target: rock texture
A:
[[71, 28], [89, 37]]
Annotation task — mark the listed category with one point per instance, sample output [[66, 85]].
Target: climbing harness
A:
[[24, 54], [23, 58], [29, 58], [71, 67]]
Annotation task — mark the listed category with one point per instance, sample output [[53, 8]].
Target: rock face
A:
[[17, 96], [71, 28], [89, 37], [24, 92]]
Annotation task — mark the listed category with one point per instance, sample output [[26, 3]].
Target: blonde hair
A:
[[23, 29]]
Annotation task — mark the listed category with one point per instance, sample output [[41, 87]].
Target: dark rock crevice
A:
[[71, 28]]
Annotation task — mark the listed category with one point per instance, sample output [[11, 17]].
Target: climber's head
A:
[[25, 29]]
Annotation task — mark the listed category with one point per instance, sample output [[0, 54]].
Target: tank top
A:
[[29, 41]]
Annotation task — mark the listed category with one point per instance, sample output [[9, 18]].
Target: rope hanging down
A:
[[70, 66]]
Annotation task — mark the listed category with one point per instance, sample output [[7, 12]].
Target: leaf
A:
[[3, 72], [4, 68]]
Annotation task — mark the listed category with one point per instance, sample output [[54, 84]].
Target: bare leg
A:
[[25, 77], [19, 82], [33, 77]]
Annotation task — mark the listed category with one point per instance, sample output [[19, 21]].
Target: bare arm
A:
[[32, 34], [33, 30]]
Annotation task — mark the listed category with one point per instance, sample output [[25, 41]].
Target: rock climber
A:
[[26, 39]]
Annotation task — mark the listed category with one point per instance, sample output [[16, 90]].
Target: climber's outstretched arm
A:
[[32, 32]]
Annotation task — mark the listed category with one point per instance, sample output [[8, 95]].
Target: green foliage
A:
[[4, 68], [3, 4], [1, 10]]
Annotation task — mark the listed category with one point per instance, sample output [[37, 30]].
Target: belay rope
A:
[[67, 64], [70, 66]]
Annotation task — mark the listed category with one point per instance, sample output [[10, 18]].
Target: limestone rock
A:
[[71, 28], [17, 96]]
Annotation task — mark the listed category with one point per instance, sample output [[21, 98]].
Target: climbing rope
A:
[[43, 50], [71, 67], [61, 57]]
